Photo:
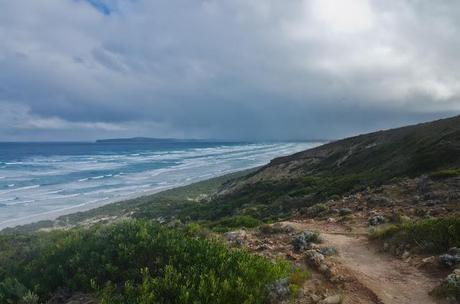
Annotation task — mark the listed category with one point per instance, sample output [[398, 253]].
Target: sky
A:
[[225, 69]]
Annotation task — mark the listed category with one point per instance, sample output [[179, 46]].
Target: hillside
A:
[[406, 151], [347, 166]]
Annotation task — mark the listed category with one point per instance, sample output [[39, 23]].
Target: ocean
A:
[[44, 180]]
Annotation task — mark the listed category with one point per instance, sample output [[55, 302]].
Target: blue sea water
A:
[[44, 180]]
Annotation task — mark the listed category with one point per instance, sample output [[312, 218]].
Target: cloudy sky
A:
[[230, 69]]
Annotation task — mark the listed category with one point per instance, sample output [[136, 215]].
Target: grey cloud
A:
[[227, 69]]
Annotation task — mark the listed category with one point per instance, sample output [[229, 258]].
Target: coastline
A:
[[43, 220], [55, 206], [55, 214]]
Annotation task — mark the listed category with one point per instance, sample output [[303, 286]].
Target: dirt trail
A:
[[392, 280]]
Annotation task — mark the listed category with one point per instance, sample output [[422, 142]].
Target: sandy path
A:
[[392, 280]]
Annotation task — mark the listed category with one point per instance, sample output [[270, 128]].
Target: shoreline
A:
[[54, 215], [58, 207]]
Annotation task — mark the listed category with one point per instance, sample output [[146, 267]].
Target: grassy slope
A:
[[341, 167], [407, 151]]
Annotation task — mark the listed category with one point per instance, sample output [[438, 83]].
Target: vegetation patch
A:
[[304, 240], [429, 235], [276, 228], [450, 287], [133, 262], [448, 173], [316, 210], [239, 221], [296, 279]]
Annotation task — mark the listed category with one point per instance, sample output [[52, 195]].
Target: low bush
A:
[[441, 174], [137, 262], [430, 235], [299, 276], [276, 228], [233, 222], [304, 240], [449, 288], [316, 210], [268, 229], [296, 280]]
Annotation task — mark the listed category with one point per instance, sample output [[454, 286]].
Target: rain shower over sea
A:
[[44, 180]]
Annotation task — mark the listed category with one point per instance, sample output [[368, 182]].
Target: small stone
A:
[[331, 220], [377, 220], [449, 260], [315, 298], [405, 255], [386, 246], [454, 251], [335, 299], [429, 260], [323, 268], [314, 246]]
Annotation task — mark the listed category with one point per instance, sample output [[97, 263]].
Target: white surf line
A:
[[19, 219], [243, 152], [19, 189]]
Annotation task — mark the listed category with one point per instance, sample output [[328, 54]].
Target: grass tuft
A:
[[429, 236]]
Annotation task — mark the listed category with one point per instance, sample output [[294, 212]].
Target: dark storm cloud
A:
[[224, 69]]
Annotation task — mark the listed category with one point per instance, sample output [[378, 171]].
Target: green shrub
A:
[[195, 229], [449, 287], [29, 298], [399, 218], [238, 221], [335, 197], [11, 291], [430, 235], [316, 210], [267, 229], [441, 174], [299, 276], [276, 228], [385, 233], [139, 262]]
